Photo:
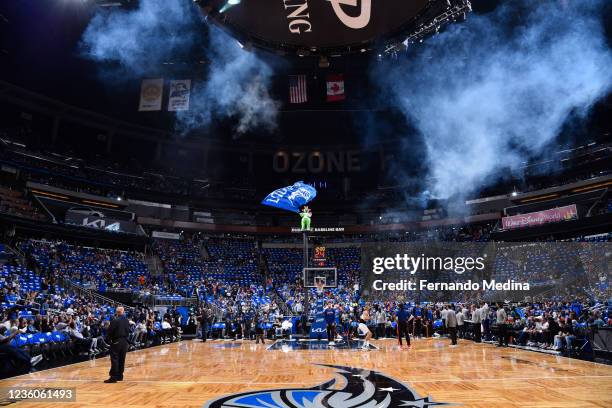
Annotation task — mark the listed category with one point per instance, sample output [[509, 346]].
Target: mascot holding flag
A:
[[306, 215], [291, 198]]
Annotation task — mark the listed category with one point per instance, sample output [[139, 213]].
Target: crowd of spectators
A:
[[92, 268], [558, 326], [239, 298], [108, 178], [12, 202], [40, 320]]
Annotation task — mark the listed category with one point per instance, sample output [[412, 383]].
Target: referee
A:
[[117, 335]]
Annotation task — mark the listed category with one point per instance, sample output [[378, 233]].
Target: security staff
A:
[[117, 335]]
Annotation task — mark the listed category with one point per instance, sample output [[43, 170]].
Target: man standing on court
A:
[[205, 321], [443, 314], [501, 317], [451, 323], [329, 314], [486, 322], [476, 320], [460, 319], [404, 320], [117, 335]]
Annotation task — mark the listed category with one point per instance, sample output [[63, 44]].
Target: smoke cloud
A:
[[143, 38], [233, 85], [489, 93], [237, 87]]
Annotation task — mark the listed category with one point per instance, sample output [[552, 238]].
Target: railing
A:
[[599, 200], [163, 300], [18, 252], [204, 252], [282, 305], [154, 264], [66, 283], [216, 311]]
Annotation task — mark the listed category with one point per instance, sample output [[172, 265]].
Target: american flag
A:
[[297, 89]]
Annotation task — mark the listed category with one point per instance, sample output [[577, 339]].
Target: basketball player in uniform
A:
[[246, 325], [345, 321], [363, 327], [329, 314]]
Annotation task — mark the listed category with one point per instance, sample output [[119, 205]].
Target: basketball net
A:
[[320, 286]]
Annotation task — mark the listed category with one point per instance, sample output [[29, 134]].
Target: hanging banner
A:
[[166, 235], [179, 95], [566, 213], [151, 93]]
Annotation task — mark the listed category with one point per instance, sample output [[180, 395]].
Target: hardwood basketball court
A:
[[192, 374]]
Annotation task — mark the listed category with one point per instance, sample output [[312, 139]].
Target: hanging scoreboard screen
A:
[[313, 25], [319, 256]]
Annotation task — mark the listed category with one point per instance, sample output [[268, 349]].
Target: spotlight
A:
[[229, 4]]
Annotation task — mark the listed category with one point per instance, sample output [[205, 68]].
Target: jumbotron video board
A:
[[325, 26]]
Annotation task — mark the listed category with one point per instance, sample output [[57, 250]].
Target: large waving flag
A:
[[291, 198]]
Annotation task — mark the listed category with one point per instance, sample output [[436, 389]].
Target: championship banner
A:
[[540, 217], [179, 95], [151, 93], [291, 198]]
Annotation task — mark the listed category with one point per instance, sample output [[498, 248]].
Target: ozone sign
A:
[[316, 162], [315, 23]]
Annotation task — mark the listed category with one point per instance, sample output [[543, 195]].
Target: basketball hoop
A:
[[320, 284]]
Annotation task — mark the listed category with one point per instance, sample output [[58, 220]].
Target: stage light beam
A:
[[229, 4]]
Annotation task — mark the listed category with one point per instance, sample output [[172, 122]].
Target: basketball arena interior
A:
[[305, 203]]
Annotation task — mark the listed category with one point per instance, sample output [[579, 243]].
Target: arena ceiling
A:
[[39, 38], [334, 27]]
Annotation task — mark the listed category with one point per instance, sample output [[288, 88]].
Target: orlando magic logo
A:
[[299, 197], [354, 387]]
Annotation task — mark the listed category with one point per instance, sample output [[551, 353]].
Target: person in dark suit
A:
[[205, 321], [117, 335]]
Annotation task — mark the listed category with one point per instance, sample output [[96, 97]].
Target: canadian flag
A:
[[335, 88]]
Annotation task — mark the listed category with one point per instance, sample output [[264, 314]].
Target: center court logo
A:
[[355, 387]]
